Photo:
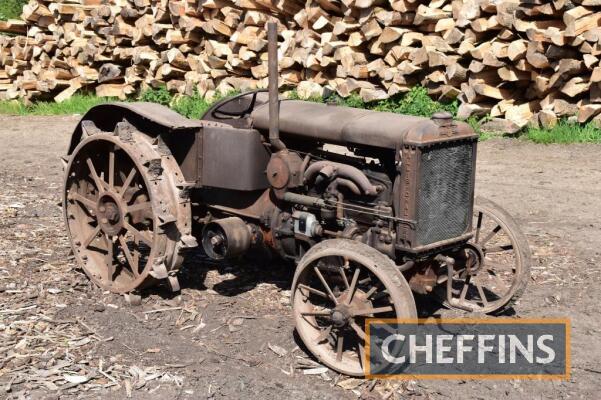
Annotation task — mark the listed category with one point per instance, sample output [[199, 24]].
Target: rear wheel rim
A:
[[110, 215], [125, 211]]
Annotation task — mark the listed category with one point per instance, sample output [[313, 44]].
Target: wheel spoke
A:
[[466, 285], [111, 170], [100, 184], [353, 286], [339, 347], [324, 334], [361, 353], [312, 290], [482, 295], [379, 295], [127, 182], [478, 227], [364, 281], [498, 249], [325, 285], [91, 204], [490, 235], [360, 332], [317, 313], [137, 255], [370, 292], [139, 207], [132, 264], [86, 243], [376, 310], [139, 235], [344, 278]]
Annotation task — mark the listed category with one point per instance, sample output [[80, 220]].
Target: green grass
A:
[[192, 107], [78, 104], [11, 9], [565, 132], [12, 108], [160, 96], [415, 102]]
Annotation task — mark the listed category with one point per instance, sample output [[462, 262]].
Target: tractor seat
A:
[[341, 125]]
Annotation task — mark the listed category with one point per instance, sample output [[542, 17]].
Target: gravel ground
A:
[[231, 334]]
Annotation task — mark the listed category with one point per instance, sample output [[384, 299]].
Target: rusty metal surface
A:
[[126, 209], [257, 172], [346, 125], [284, 170], [153, 119], [448, 199], [232, 158], [226, 238], [274, 100], [352, 175]]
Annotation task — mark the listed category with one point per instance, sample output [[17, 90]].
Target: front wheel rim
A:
[[500, 275], [333, 299]]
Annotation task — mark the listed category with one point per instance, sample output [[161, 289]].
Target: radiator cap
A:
[[442, 118]]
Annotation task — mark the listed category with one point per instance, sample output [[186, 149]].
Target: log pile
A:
[[524, 61]]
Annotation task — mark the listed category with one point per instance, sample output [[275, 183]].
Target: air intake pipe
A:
[[274, 100]]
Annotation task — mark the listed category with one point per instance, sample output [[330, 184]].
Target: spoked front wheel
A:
[[492, 272], [338, 284]]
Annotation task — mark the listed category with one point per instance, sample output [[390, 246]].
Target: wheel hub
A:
[[343, 313], [110, 214], [474, 258], [340, 317]]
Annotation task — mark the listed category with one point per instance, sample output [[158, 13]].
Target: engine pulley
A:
[[226, 238]]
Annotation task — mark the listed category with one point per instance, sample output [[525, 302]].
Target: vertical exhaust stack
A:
[[274, 99]]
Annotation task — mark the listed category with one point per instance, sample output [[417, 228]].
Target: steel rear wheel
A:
[[124, 210], [494, 270], [338, 284]]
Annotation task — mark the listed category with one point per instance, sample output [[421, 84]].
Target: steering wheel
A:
[[233, 107]]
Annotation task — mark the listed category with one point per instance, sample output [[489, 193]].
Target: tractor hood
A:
[[346, 125]]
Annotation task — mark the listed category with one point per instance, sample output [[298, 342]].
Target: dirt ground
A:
[[231, 335]]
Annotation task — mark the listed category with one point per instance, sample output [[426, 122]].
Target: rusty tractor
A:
[[370, 206]]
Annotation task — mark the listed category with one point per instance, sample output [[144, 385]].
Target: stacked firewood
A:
[[525, 61]]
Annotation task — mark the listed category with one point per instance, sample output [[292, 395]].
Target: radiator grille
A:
[[445, 191]]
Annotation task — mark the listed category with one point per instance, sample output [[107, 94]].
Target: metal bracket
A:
[[450, 263]]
